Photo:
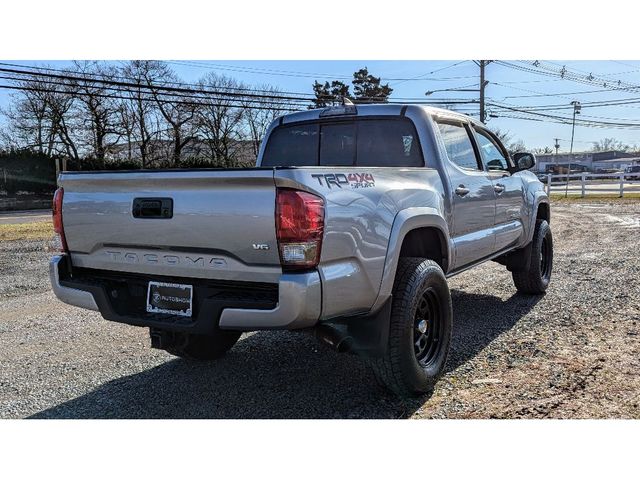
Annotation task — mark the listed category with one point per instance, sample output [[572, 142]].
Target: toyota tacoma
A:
[[349, 225]]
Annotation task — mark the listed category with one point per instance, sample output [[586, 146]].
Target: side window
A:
[[458, 145], [492, 156], [388, 142]]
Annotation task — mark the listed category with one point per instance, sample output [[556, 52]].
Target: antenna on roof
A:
[[346, 101]]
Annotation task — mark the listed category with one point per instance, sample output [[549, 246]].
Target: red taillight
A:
[[58, 227], [299, 227]]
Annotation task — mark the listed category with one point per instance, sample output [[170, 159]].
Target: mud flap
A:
[[370, 333]]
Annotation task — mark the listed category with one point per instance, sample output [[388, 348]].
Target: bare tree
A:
[[260, 112], [218, 120], [98, 110], [139, 111], [504, 136], [82, 116], [607, 144], [61, 103], [126, 124], [29, 117], [177, 111], [517, 146], [542, 150]]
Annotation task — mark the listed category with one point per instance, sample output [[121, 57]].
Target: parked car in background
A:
[[632, 172]]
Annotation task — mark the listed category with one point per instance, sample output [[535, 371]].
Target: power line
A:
[[540, 94], [73, 90], [539, 68], [149, 86], [587, 125], [285, 102], [432, 72], [567, 120], [159, 89], [282, 107], [197, 100], [38, 69], [172, 97], [294, 74]]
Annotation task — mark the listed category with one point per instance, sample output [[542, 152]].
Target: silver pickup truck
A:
[[349, 225]]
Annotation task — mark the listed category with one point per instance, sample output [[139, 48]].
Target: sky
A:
[[411, 79]]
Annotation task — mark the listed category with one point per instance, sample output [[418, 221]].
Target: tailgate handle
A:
[[152, 208]]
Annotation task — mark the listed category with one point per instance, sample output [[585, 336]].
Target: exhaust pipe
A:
[[335, 337]]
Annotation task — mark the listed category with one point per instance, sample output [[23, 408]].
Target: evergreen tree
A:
[[366, 89], [329, 94]]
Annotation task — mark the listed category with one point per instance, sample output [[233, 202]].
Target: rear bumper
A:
[[72, 296], [297, 303]]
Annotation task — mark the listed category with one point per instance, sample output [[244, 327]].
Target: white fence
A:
[[593, 183]]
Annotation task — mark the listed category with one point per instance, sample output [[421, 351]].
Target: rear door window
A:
[[388, 143], [458, 145], [383, 142]]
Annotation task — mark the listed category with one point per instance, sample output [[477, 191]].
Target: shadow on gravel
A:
[[478, 319], [284, 375]]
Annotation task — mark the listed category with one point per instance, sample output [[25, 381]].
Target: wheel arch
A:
[[416, 232], [543, 211], [426, 242]]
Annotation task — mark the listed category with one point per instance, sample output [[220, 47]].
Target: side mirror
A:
[[524, 160]]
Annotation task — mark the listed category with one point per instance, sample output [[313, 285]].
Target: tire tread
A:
[[528, 280], [388, 369]]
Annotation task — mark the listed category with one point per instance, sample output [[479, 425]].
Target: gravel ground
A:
[[574, 353]]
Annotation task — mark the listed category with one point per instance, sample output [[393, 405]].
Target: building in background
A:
[[614, 160]]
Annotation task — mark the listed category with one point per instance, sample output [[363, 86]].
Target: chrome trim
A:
[[299, 306], [72, 296]]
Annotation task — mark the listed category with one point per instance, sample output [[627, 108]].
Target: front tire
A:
[[534, 278], [419, 331]]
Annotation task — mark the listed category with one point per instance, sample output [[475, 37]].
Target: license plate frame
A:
[[157, 304]]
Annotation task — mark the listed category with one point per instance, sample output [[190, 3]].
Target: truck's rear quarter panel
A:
[[358, 225]]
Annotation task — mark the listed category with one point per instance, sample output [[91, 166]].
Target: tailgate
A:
[[221, 227]]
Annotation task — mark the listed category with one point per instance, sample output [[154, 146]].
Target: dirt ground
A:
[[573, 353]]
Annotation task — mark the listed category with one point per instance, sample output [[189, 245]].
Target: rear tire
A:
[[419, 331], [535, 277], [204, 347]]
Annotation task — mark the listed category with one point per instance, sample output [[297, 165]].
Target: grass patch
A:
[[26, 231], [573, 198]]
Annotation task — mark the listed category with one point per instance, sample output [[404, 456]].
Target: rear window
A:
[[389, 142]]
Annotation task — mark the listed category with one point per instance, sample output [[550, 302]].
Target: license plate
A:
[[173, 298]]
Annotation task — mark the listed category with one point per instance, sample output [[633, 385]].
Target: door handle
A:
[[461, 190], [152, 208], [498, 187]]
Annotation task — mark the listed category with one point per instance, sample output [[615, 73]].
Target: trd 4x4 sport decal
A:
[[353, 180]]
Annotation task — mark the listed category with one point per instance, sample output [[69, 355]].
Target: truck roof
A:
[[377, 109]]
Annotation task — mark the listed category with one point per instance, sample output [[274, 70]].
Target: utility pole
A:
[[482, 112], [576, 109], [557, 145], [483, 83]]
